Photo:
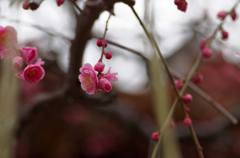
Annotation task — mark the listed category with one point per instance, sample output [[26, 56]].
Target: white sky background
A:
[[124, 29]]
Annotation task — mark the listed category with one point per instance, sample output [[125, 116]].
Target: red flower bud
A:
[[207, 53], [25, 5], [187, 98], [222, 15], [108, 55], [155, 136], [224, 35], [187, 121]]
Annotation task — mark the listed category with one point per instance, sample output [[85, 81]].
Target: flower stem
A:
[[104, 36]]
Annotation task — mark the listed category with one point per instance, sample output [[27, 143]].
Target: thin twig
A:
[[207, 98], [104, 36], [46, 30], [75, 4], [192, 86], [164, 126], [192, 71]]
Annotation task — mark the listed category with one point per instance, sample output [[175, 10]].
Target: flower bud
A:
[[187, 98], [233, 15], [222, 15], [207, 53], [179, 84], [26, 5], [60, 2], [187, 121], [224, 35], [99, 67], [100, 43], [155, 136], [108, 55]]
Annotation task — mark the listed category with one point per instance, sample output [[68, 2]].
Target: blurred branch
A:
[[85, 23], [207, 98], [46, 30], [8, 112]]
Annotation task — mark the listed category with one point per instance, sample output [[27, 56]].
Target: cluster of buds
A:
[[222, 14], [92, 82], [33, 72], [181, 5], [104, 44]]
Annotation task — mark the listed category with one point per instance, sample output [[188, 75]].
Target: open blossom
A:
[[28, 53], [17, 63], [110, 76], [88, 79], [8, 39], [32, 73]]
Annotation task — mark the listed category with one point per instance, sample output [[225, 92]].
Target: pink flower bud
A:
[[100, 43], [203, 44], [197, 78], [99, 67], [179, 84], [187, 121], [25, 5], [17, 63], [108, 55], [33, 73], [187, 98], [28, 53], [233, 15], [104, 84], [222, 15], [60, 2], [207, 53], [188, 109], [155, 136], [224, 35]]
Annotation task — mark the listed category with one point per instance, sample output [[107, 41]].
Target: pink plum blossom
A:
[[104, 84], [17, 63], [110, 76], [33, 73], [39, 62], [88, 79], [8, 39], [28, 53]]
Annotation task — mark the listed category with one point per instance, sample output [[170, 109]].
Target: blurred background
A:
[[123, 127]]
